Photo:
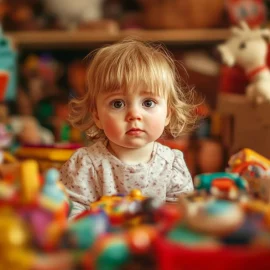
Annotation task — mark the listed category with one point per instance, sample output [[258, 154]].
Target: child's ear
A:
[[168, 118], [96, 119]]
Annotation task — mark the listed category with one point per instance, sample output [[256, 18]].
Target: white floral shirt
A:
[[93, 171]]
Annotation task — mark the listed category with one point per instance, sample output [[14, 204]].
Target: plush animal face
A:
[[246, 48], [243, 51]]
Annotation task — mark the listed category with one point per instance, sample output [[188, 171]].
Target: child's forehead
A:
[[140, 90]]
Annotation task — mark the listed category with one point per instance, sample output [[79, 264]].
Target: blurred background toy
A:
[[210, 156], [27, 130], [248, 48], [76, 77], [71, 14], [8, 69], [84, 14], [251, 11], [255, 168], [40, 75], [48, 156], [23, 15], [247, 162], [6, 135], [223, 185], [219, 217]]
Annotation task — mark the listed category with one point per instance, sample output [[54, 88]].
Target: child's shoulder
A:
[[167, 153]]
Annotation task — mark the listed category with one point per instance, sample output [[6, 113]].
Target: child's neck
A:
[[131, 156]]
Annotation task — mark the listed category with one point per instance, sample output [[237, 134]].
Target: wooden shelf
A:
[[71, 39]]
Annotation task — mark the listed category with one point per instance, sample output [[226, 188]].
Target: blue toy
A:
[[52, 188], [8, 69], [204, 181]]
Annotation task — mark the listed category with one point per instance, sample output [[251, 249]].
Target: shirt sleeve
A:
[[180, 181], [79, 177]]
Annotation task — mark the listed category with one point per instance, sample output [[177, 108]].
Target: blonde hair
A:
[[124, 65]]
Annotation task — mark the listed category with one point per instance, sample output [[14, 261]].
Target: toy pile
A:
[[37, 235], [226, 220], [33, 210]]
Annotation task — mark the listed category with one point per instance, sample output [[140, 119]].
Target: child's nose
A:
[[133, 114]]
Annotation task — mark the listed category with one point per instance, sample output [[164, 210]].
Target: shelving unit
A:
[[84, 39]]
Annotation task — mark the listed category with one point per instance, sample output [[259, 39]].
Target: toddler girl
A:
[[133, 98]]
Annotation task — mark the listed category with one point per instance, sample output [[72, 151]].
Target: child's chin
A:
[[136, 144]]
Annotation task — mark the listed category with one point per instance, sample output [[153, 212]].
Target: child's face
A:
[[131, 120]]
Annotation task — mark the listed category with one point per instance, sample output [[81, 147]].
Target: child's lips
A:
[[134, 131]]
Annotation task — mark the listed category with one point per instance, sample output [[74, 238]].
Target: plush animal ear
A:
[[266, 35], [226, 55], [238, 30]]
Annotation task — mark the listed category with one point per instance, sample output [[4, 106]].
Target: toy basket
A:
[[172, 256]]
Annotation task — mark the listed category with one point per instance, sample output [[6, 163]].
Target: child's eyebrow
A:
[[122, 93], [149, 93], [112, 94]]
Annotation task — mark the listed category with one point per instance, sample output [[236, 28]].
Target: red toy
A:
[[251, 11]]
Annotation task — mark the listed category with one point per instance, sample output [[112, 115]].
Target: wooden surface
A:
[[85, 38], [250, 125]]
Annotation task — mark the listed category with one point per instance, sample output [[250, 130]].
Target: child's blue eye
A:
[[149, 103], [117, 104]]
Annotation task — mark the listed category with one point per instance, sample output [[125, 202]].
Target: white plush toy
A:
[[248, 49], [72, 12]]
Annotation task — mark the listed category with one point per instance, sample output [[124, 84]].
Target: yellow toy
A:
[[9, 166], [30, 182], [107, 202], [15, 252], [248, 156], [118, 207], [47, 157], [255, 168]]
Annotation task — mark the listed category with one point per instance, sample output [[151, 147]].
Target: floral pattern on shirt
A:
[[93, 171]]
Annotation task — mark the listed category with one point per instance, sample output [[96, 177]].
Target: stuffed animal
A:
[[248, 48], [72, 13], [254, 12]]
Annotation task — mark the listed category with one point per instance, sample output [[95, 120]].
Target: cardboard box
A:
[[250, 126]]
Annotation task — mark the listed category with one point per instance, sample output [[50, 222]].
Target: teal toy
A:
[[52, 189], [204, 181], [8, 69], [83, 233], [113, 253]]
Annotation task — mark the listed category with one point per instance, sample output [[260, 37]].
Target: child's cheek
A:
[[157, 122], [111, 127], [156, 126]]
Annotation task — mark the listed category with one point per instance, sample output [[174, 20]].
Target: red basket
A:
[[172, 256]]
